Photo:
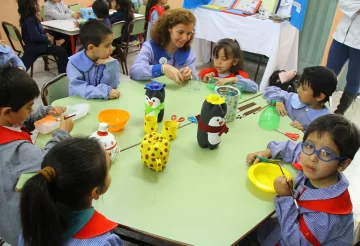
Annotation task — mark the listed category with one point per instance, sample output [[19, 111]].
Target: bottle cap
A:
[[103, 127]]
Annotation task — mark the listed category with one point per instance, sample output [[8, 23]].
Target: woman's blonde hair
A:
[[159, 32]]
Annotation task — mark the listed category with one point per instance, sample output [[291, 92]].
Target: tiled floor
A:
[[41, 77]]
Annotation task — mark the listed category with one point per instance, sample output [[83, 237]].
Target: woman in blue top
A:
[[37, 42], [168, 52], [56, 204]]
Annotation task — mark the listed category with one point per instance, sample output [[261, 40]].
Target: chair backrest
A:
[[117, 28], [55, 89], [42, 13], [13, 35], [142, 9], [137, 26], [75, 7]]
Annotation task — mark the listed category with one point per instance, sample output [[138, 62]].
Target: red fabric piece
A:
[[307, 233], [297, 165], [213, 70], [339, 205], [97, 225], [8, 135], [158, 8], [212, 129]]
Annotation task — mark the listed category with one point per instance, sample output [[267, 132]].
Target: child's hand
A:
[[2, 42], [104, 61], [76, 23], [173, 74], [56, 111], [186, 72], [75, 16], [208, 76], [66, 125], [50, 38], [281, 108], [297, 125], [21, 68], [59, 42], [114, 94], [251, 158], [281, 186], [225, 81]]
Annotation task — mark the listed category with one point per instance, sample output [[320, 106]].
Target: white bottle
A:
[[107, 140]]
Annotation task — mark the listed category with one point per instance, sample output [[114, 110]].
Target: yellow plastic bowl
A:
[[263, 175], [115, 118]]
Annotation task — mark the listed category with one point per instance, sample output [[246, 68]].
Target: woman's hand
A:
[[173, 74], [186, 72]]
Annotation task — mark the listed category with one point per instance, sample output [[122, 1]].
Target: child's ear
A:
[[95, 193], [5, 111], [343, 165], [236, 61], [90, 47], [320, 97]]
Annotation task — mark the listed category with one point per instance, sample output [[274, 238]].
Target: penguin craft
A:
[[211, 122], [154, 100]]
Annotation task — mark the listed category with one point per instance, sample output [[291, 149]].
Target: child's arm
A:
[[247, 84], [111, 74], [275, 93], [16, 61], [78, 86], [67, 9], [349, 8], [56, 15], [39, 113], [33, 32], [142, 68]]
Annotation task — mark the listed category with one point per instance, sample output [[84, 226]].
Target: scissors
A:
[[262, 159], [174, 118], [192, 119], [292, 136]]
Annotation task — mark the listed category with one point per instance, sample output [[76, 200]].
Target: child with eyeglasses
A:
[[324, 214]]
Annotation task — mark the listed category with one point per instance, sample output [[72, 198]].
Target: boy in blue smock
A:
[[8, 58], [325, 214], [92, 72], [317, 84]]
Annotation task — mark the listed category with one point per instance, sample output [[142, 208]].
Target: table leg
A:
[[73, 44]]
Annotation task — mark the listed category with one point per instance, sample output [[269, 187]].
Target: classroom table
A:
[[178, 101], [67, 27], [202, 197], [278, 41]]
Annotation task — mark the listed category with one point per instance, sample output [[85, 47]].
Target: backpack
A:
[[289, 86]]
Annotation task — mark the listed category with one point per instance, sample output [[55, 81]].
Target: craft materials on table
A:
[[174, 118], [261, 109], [250, 98], [155, 100], [240, 116], [211, 122], [192, 119], [290, 188], [244, 7], [116, 119], [219, 4], [292, 136], [269, 118], [232, 97], [107, 140], [246, 106], [67, 117], [263, 175], [155, 149], [169, 130], [150, 124], [262, 159]]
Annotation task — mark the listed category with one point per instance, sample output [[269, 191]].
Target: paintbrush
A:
[[67, 117], [290, 188]]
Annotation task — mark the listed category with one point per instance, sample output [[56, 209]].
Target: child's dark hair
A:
[[149, 5], [321, 80], [93, 32], [16, 88], [126, 8], [78, 165], [101, 9], [231, 50], [345, 134], [26, 9]]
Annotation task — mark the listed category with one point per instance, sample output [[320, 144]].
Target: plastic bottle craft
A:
[[107, 140], [211, 122], [154, 100]]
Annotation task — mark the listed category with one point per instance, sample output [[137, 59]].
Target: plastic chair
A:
[[75, 7], [142, 9], [13, 34], [42, 13], [135, 27], [117, 29], [55, 89]]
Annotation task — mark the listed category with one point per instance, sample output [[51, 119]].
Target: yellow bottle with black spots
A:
[[155, 150]]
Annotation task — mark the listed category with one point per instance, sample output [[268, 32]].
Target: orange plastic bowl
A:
[[115, 118]]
